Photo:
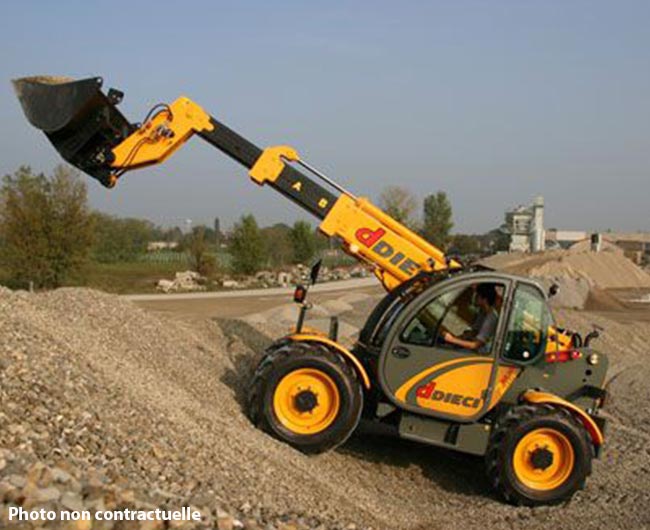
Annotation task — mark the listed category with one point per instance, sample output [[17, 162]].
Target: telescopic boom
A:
[[85, 126]]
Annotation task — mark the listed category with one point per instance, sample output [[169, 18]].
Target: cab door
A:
[[423, 373]]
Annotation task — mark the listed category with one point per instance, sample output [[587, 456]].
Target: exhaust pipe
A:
[[82, 123]]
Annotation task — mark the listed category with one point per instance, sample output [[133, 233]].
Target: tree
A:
[[437, 221], [45, 225], [278, 244], [303, 242], [174, 234], [466, 244], [118, 239], [399, 203], [498, 240], [218, 236], [197, 247], [247, 246]]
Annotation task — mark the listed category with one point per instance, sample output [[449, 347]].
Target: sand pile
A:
[[582, 276], [605, 270]]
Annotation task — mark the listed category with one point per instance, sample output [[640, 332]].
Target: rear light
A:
[[563, 356], [299, 294]]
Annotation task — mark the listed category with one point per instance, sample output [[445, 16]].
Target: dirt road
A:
[[234, 304]]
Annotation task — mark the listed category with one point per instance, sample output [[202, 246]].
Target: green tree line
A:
[[48, 233]]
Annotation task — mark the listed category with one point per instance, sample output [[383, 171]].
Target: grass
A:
[[130, 277], [117, 278], [142, 275]]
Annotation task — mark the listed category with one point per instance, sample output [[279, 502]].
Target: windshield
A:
[[380, 321]]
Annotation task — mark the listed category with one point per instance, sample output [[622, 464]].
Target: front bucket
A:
[[81, 121]]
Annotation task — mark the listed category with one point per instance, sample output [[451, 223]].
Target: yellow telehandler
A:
[[463, 358]]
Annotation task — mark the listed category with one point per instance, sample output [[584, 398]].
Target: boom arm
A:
[[86, 128]]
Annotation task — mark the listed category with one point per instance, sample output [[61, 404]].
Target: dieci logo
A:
[[373, 240], [430, 393]]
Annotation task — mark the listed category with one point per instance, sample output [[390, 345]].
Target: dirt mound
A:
[[583, 276], [601, 300], [605, 270], [87, 380]]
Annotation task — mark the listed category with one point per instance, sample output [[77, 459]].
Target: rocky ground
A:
[[106, 405], [185, 281]]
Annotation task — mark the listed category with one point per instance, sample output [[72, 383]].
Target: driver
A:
[[480, 336]]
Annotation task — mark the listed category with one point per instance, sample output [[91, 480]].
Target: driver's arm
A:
[[488, 328], [471, 344]]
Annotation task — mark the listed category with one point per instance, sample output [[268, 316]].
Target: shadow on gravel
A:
[[244, 359], [452, 471]]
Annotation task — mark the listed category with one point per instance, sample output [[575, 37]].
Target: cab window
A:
[[456, 312], [528, 326]]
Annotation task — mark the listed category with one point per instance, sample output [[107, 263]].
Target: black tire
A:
[[511, 428], [286, 357]]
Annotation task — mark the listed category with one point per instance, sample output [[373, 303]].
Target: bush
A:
[[303, 242], [119, 240], [45, 226], [247, 246]]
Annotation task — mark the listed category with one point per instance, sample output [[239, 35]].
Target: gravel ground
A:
[[153, 405]]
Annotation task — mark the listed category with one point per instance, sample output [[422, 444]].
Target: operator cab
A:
[[447, 352]]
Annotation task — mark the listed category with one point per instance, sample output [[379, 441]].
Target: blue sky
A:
[[491, 101]]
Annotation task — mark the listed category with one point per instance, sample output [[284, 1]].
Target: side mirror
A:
[[553, 290], [315, 270], [300, 294]]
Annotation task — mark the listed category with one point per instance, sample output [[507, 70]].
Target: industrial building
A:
[[525, 225]]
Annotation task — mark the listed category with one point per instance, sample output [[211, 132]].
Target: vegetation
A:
[[465, 245], [124, 277], [45, 226], [303, 242], [49, 237], [247, 247], [277, 241], [399, 203], [200, 259], [119, 239], [437, 222]]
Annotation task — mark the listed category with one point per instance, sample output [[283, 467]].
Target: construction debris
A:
[[183, 282], [193, 281]]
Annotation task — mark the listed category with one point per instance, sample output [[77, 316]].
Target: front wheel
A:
[[305, 395], [538, 455]]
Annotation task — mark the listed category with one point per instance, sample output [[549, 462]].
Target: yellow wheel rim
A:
[[306, 401], [543, 459]]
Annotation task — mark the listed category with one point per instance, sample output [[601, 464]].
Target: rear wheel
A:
[[538, 455], [305, 395]]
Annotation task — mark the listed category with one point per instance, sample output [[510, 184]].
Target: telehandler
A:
[[524, 396]]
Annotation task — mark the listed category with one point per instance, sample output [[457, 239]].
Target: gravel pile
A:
[[91, 381], [142, 410], [39, 490]]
